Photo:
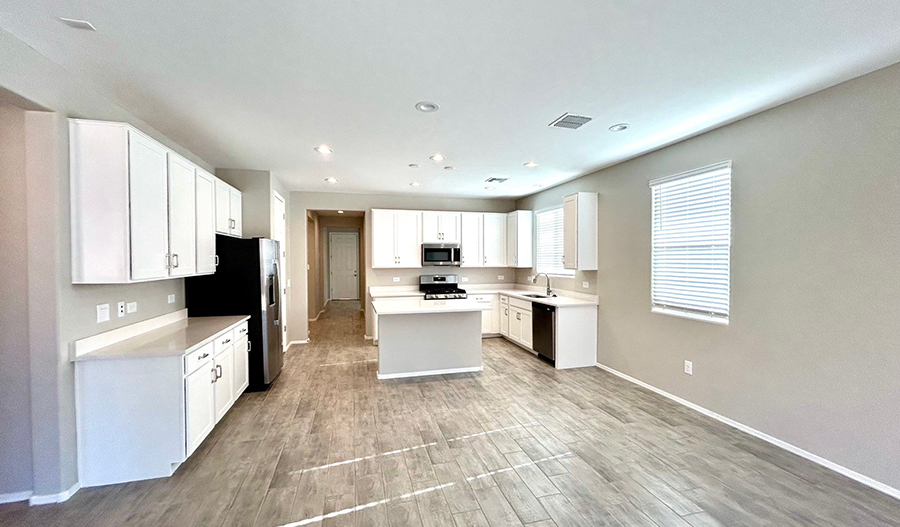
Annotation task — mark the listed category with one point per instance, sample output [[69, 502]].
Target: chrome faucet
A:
[[534, 281]]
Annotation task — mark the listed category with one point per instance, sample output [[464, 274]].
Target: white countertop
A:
[[417, 306], [173, 339], [564, 300]]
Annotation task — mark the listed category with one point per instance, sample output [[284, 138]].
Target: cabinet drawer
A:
[[197, 358], [504, 299], [524, 305], [241, 331], [224, 341]]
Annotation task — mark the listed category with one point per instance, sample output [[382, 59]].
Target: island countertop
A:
[[177, 338], [417, 306]]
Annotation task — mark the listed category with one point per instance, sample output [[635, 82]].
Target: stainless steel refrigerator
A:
[[246, 282]]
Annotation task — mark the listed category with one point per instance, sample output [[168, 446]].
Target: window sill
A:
[[722, 321]]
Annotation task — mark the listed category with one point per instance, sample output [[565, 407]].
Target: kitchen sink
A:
[[537, 295]]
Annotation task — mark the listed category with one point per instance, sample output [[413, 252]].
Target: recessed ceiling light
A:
[[330, 180], [78, 24], [437, 158], [448, 167], [415, 184], [488, 188], [618, 127], [413, 165], [323, 149], [340, 212], [531, 164], [427, 107]]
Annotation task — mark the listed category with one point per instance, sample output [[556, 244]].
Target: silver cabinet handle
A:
[[216, 256], [218, 371], [201, 357], [167, 262], [174, 260], [518, 316], [227, 341], [214, 377]]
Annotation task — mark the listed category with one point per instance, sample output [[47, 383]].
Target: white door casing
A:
[[279, 233], [343, 258]]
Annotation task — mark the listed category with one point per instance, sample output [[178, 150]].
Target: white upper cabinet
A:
[[580, 231], [441, 227], [494, 238], [182, 217], [138, 210], [206, 221], [149, 208], [396, 238], [519, 238], [228, 209], [471, 243], [236, 211]]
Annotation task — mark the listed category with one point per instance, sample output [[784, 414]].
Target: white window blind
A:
[[550, 242], [692, 243]]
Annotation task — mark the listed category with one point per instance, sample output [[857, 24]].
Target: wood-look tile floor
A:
[[518, 444]]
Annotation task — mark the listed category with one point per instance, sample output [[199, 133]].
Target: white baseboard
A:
[[54, 498], [291, 343], [368, 337], [427, 373], [844, 471], [318, 315], [13, 497]]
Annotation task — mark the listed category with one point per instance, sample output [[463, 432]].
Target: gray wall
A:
[[301, 202], [15, 362], [811, 353], [67, 312], [256, 199]]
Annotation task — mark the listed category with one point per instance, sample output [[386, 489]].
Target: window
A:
[[550, 242], [690, 273]]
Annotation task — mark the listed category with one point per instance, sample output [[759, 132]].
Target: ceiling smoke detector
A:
[[78, 24], [570, 121], [496, 179]]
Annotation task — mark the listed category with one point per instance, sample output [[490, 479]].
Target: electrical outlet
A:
[[688, 367], [120, 309], [102, 313], [500, 277], [586, 285], [131, 307], [396, 278], [465, 279], [530, 278], [171, 299]]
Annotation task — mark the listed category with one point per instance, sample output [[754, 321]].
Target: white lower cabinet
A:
[[518, 313], [225, 395], [504, 315], [241, 373], [490, 320], [200, 402]]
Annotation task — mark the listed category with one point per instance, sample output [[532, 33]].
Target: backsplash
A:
[[468, 275]]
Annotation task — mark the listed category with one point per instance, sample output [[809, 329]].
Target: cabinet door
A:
[[224, 388], [431, 227], [235, 210], [495, 314], [504, 320], [511, 239], [526, 329], [200, 405], [148, 201], [384, 253], [494, 253], [223, 207], [570, 232], [407, 235], [515, 324], [241, 365], [182, 217], [471, 240], [450, 227], [485, 322], [206, 222]]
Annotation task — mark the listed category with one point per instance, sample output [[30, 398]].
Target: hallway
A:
[[518, 444]]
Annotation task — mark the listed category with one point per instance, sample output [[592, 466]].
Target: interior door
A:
[[471, 239], [200, 402], [223, 207], [236, 212], [206, 222], [148, 202], [408, 238], [279, 220], [494, 240], [343, 258], [225, 383], [182, 217]]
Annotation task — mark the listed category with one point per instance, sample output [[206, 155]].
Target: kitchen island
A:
[[419, 337]]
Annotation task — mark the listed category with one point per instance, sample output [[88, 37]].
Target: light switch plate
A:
[[120, 309], [171, 299], [102, 313], [465, 279], [131, 307], [688, 367], [586, 285], [396, 278], [500, 277]]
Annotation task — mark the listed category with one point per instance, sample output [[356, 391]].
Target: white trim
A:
[[368, 337], [320, 313], [93, 343], [426, 373], [721, 165], [703, 317], [844, 471], [291, 343], [13, 497], [55, 498]]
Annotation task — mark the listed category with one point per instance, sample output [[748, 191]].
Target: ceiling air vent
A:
[[570, 121], [496, 179]]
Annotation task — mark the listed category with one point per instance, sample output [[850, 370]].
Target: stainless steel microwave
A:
[[440, 254]]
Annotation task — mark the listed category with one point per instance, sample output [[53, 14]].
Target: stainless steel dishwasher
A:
[[543, 330]]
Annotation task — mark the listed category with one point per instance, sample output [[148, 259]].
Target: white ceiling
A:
[[258, 84]]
